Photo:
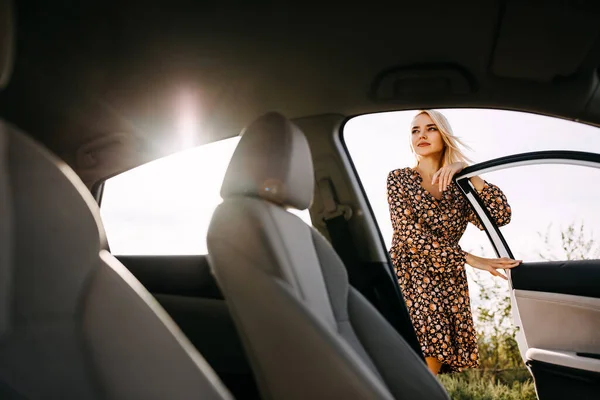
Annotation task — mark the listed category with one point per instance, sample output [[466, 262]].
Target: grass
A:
[[515, 384]]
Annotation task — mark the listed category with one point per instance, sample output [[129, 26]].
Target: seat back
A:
[[74, 323], [307, 333]]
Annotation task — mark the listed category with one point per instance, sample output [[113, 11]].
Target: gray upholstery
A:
[[273, 166], [308, 334], [74, 323], [6, 41]]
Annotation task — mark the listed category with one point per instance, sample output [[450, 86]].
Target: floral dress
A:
[[429, 263]]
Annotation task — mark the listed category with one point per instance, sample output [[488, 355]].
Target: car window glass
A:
[[164, 207]]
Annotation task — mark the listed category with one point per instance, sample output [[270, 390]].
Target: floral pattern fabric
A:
[[430, 264]]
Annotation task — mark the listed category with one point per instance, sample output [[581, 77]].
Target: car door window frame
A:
[[499, 244], [497, 240]]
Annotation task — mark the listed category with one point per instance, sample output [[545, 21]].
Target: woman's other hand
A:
[[443, 177], [492, 265]]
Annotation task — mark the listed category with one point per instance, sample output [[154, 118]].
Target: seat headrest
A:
[[6, 41], [272, 161]]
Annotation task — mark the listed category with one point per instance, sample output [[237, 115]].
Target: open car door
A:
[[555, 302]]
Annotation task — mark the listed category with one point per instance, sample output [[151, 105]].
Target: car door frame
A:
[[499, 244]]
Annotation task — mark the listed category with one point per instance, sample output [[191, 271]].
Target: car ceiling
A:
[[88, 70]]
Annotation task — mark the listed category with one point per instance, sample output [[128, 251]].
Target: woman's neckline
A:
[[420, 179]]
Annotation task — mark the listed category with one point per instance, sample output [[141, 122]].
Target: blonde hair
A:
[[452, 152]]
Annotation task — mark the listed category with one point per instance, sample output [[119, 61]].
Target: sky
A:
[[164, 207]]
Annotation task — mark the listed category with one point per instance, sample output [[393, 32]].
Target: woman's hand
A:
[[443, 177], [492, 265]]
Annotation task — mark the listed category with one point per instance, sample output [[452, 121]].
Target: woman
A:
[[429, 216]]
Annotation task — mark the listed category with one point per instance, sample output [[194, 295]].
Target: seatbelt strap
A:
[[332, 208], [336, 218]]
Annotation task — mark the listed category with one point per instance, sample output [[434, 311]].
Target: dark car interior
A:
[[96, 83]]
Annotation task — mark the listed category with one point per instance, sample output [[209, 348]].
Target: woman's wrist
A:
[[459, 165], [471, 259], [468, 258]]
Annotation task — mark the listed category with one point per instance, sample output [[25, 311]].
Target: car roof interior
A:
[[106, 77]]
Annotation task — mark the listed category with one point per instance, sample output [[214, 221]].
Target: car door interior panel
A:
[[556, 303], [177, 275], [577, 277], [560, 321]]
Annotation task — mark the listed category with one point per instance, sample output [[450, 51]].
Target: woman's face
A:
[[425, 136]]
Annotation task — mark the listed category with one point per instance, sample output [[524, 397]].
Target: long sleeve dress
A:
[[429, 263]]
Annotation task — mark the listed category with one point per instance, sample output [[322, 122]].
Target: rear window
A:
[[164, 207]]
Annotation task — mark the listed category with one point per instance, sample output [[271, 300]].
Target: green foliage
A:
[[495, 332], [499, 352], [573, 242], [486, 385]]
